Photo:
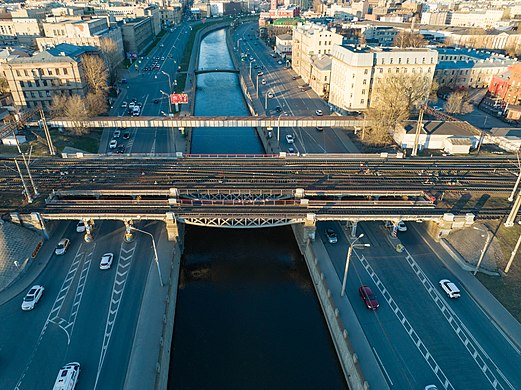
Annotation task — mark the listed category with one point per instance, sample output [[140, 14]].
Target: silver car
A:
[[32, 297], [62, 246]]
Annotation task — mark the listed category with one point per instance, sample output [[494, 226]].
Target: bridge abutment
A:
[[449, 223]]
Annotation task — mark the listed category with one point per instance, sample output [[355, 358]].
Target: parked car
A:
[[368, 297], [271, 95], [156, 101], [320, 128], [80, 226], [32, 297], [106, 261], [331, 236], [278, 109], [319, 113], [450, 288], [289, 139], [62, 246], [116, 134], [126, 135], [260, 73], [120, 149], [131, 104], [291, 150], [113, 144], [263, 81], [124, 105]]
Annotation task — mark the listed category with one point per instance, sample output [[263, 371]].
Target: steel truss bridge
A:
[[263, 191]]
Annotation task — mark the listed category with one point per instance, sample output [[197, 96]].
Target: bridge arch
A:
[[203, 71]]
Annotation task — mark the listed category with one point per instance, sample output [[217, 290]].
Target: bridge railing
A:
[[200, 155]]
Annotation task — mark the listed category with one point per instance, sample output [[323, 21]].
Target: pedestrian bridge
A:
[[203, 71], [209, 121]]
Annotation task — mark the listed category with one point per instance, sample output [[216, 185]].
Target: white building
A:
[[283, 44], [311, 42], [484, 19], [355, 70]]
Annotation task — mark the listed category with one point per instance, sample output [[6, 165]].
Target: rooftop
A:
[[438, 128]]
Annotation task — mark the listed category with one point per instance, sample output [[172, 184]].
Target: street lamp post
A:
[[251, 62], [169, 102], [257, 85], [278, 128], [266, 101], [483, 251], [348, 259], [155, 252]]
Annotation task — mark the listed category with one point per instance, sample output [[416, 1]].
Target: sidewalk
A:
[[488, 303], [144, 362], [27, 275]]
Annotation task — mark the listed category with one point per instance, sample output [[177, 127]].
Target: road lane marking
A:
[[477, 352], [406, 325], [117, 293]]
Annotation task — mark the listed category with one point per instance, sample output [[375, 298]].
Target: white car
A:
[[32, 297], [62, 246], [106, 261], [67, 377], [263, 81], [401, 226], [80, 226], [271, 95], [450, 288], [289, 139], [113, 144], [131, 105], [319, 112], [124, 105], [116, 134]]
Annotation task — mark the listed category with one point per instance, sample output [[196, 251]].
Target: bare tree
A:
[[111, 56], [96, 103], [394, 97], [513, 50], [96, 73], [4, 85], [409, 39], [457, 103]]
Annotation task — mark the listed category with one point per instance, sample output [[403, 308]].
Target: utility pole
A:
[[513, 213], [419, 126], [511, 260], [52, 150], [26, 191]]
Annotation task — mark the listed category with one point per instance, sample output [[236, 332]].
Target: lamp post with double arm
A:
[[348, 259]]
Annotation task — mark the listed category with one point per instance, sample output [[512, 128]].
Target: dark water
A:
[[247, 315]]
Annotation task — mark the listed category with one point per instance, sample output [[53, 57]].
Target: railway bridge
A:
[[245, 192]]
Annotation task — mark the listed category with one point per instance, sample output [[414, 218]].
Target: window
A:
[[391, 61], [18, 73], [49, 71], [65, 71], [423, 62], [400, 60], [26, 73], [364, 82], [44, 82], [407, 60], [363, 91], [22, 84], [48, 93], [362, 101], [366, 71], [29, 84], [37, 83], [383, 61], [381, 70]]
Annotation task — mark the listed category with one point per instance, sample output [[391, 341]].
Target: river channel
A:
[[247, 315]]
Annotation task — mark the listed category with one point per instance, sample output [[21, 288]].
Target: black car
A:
[[278, 109], [120, 149], [134, 100], [126, 135], [156, 101]]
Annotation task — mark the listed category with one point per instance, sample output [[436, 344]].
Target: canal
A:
[[247, 314]]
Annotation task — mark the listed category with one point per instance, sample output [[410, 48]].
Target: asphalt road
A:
[[85, 314], [145, 86], [287, 95], [418, 334]]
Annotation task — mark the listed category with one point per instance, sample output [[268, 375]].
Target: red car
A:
[[368, 297]]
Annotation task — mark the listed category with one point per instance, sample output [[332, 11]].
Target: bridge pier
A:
[[39, 224], [129, 237], [172, 228], [448, 224], [354, 225], [310, 227]]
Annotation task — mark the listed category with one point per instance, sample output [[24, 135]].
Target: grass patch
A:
[[88, 142]]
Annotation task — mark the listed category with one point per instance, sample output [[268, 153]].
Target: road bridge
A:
[[209, 121], [203, 71]]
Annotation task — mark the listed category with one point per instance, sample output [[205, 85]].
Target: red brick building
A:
[[507, 86]]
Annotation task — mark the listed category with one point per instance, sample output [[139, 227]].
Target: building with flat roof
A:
[[355, 70], [138, 34], [469, 68], [58, 71]]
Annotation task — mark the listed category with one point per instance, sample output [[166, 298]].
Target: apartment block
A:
[[483, 18], [310, 42], [19, 31], [469, 68], [507, 85], [355, 70], [82, 32], [138, 34], [58, 71]]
